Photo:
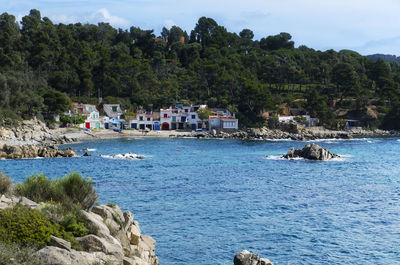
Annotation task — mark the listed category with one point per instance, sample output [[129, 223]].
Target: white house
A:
[[92, 121], [229, 123], [285, 119], [166, 118], [145, 121]]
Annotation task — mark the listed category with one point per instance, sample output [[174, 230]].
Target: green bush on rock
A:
[[70, 190], [25, 226], [5, 184]]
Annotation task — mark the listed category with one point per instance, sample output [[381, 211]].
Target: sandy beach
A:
[[81, 135]]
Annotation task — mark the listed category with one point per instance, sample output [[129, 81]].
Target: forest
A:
[[45, 66]]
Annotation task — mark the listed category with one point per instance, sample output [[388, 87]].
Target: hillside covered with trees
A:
[[43, 66]]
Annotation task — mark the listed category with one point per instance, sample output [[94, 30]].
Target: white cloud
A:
[[103, 15], [64, 19], [169, 23]]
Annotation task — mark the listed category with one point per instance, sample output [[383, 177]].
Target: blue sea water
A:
[[213, 198]]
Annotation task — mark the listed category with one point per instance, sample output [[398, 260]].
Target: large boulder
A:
[[244, 257], [56, 256], [92, 243], [96, 221], [312, 152]]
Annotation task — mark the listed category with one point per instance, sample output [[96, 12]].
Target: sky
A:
[[365, 26]]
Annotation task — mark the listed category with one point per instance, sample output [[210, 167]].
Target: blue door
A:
[[106, 125], [193, 126], [134, 125]]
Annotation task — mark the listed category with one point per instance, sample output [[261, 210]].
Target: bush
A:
[[14, 254], [77, 190], [5, 184], [69, 191], [37, 188], [30, 227], [25, 226]]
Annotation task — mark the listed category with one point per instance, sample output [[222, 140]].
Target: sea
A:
[[204, 200]]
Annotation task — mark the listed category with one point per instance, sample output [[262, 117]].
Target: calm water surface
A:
[[213, 198]]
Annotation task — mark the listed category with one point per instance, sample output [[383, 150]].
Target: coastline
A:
[[264, 134]]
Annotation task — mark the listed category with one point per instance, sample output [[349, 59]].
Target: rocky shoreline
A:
[[296, 133], [118, 239]]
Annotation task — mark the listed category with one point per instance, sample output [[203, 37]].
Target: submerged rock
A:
[[312, 152], [244, 257]]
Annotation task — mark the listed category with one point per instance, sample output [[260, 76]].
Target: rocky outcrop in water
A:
[[244, 257], [33, 151], [32, 132], [118, 239], [312, 152]]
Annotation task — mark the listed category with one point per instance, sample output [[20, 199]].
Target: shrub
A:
[[25, 226], [37, 188], [70, 224], [77, 190], [30, 227], [70, 190], [14, 254], [5, 184]]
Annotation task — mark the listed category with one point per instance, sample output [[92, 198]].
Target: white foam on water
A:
[[127, 156], [92, 149]]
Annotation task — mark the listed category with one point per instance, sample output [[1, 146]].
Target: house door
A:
[[165, 126], [87, 125], [193, 126]]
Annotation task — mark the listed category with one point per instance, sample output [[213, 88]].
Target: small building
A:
[[113, 111], [145, 121], [166, 118], [229, 123], [285, 119]]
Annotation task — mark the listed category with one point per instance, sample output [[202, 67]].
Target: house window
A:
[[148, 119], [90, 109], [165, 115], [114, 108], [186, 110], [193, 116], [140, 118]]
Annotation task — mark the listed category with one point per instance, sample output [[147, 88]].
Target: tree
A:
[[276, 42]]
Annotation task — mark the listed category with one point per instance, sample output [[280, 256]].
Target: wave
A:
[[127, 156], [91, 149], [341, 158]]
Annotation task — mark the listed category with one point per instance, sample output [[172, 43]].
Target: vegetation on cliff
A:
[[44, 65]]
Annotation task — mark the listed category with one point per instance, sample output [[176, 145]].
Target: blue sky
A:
[[366, 26]]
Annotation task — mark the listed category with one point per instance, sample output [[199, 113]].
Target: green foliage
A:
[[37, 188], [70, 224], [25, 226], [5, 184], [15, 254], [69, 191], [203, 113]]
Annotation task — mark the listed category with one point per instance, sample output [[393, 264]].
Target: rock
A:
[[32, 151], [60, 243], [112, 217], [56, 256], [86, 154], [92, 243], [312, 152], [135, 233], [244, 257], [128, 219], [28, 203], [96, 221]]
